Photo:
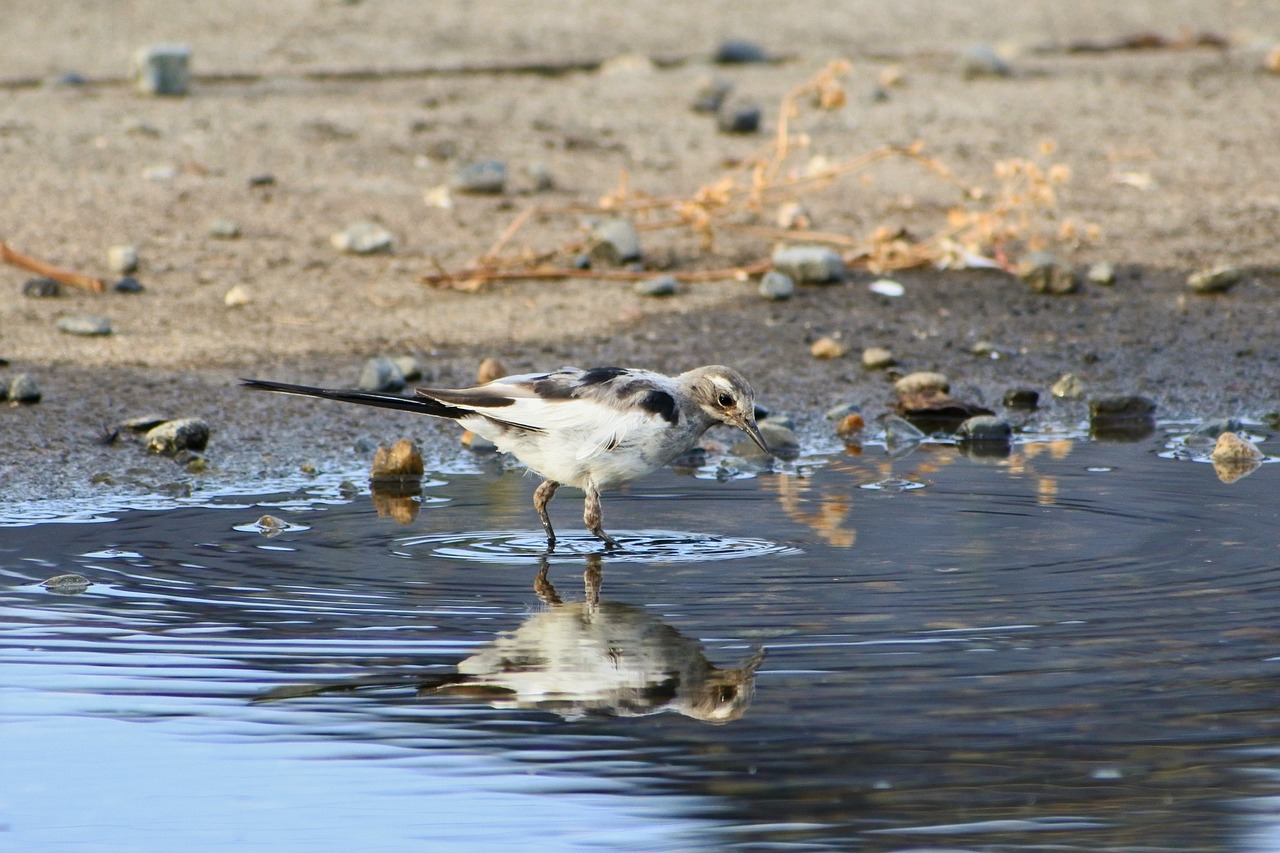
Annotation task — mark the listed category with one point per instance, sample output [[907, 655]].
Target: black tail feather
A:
[[421, 405]]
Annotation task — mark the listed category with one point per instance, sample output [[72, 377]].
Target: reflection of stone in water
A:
[[397, 499], [1231, 470]]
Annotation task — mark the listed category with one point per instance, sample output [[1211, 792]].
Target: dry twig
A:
[[35, 265]]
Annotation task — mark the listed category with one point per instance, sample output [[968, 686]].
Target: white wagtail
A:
[[590, 429]]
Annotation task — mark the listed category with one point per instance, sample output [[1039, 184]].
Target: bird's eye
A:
[[725, 400]]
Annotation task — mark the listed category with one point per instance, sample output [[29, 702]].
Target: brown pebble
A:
[[490, 369], [402, 460], [850, 424], [1235, 448], [921, 382], [827, 347]]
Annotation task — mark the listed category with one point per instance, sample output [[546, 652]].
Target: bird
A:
[[590, 429]]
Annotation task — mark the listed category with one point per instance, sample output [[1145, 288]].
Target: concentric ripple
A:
[[639, 546]]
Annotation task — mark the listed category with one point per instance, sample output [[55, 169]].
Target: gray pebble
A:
[[70, 79], [810, 264], [987, 428], [616, 241], [41, 288], [777, 286], [224, 229], [981, 60], [127, 284], [1216, 280], [1121, 407], [363, 238], [540, 175], [877, 358], [1103, 272], [68, 584], [663, 285], [482, 177], [23, 388], [173, 437], [842, 411], [1121, 418], [781, 439], [381, 374], [163, 69], [1044, 273], [262, 180], [408, 367], [739, 117], [122, 259], [711, 95], [739, 51], [85, 325], [1022, 398]]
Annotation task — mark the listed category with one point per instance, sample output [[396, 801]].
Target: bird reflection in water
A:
[[585, 658]]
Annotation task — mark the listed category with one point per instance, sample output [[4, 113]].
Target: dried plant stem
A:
[[35, 265]]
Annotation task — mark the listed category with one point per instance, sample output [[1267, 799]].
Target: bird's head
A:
[[726, 396]]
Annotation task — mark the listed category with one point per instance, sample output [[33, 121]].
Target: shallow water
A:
[[1074, 648]]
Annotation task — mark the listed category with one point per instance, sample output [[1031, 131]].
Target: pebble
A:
[[1235, 448], [922, 382], [478, 443], [739, 117], [793, 216], [68, 584], [263, 180], [663, 285], [224, 229], [777, 286], [1068, 387], [127, 284], [827, 347], [738, 52], [237, 296], [711, 95], [23, 388], [489, 370], [381, 374], [363, 238], [1044, 273], [877, 358], [163, 69], [1216, 280], [616, 241], [270, 525], [86, 325], [402, 459], [900, 435], [981, 60], [887, 287], [409, 367], [781, 439], [483, 177], [1121, 407], [842, 411], [41, 288], [122, 259], [144, 423], [1022, 398], [541, 176], [173, 437], [988, 428], [1103, 272], [809, 264]]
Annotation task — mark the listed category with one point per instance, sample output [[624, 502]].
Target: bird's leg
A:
[[541, 497], [593, 516]]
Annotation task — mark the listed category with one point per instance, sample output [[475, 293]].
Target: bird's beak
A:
[[748, 425]]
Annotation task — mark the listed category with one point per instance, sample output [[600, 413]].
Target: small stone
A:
[[1022, 398], [626, 63], [1069, 387], [793, 216], [197, 465], [1044, 273], [478, 443], [1216, 280], [163, 69], [224, 229], [1103, 273], [1271, 60], [540, 175], [738, 52], [401, 460], [615, 241], [409, 367], [41, 287], [237, 296], [877, 358], [263, 180], [827, 347], [363, 238], [981, 60], [1121, 407], [780, 438], [987, 428], [270, 525], [86, 325], [69, 79], [144, 423], [739, 117], [810, 264], [851, 424], [984, 348], [484, 177], [381, 374], [23, 388], [1232, 447], [173, 437], [663, 285], [921, 382], [843, 410], [490, 369], [122, 259], [68, 584], [127, 284], [777, 286], [887, 287], [160, 172], [711, 95]]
